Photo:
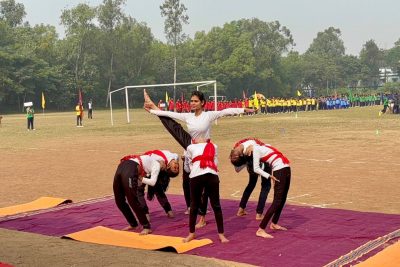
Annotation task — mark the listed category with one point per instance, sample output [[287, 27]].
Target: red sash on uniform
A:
[[278, 154], [207, 158], [142, 173], [158, 153], [258, 142]]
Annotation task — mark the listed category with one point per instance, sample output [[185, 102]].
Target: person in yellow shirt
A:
[[263, 105], [79, 115], [299, 104], [308, 104], [313, 104]]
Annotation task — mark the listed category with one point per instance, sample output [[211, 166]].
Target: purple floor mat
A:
[[315, 237]]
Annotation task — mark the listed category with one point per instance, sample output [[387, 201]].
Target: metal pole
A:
[[127, 105], [215, 100], [112, 120]]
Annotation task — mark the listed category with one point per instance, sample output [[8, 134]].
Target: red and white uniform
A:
[[196, 150], [268, 155], [150, 164]]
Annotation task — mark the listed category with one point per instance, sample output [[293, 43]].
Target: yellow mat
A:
[[389, 257], [106, 236], [38, 204]]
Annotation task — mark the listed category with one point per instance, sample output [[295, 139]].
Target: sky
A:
[[358, 20]]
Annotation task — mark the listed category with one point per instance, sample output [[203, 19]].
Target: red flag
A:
[[80, 101], [80, 97]]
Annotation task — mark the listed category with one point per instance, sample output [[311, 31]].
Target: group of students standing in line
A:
[[201, 180]]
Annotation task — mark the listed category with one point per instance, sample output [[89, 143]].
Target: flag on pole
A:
[[244, 95], [80, 101], [166, 98], [256, 104], [298, 93], [43, 101]]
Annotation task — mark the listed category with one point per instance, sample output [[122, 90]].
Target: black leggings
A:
[[125, 187], [265, 187], [281, 190], [186, 186], [161, 198], [210, 183]]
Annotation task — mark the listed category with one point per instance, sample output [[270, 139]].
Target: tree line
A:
[[105, 49]]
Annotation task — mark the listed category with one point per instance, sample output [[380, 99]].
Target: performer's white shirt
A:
[[199, 126], [151, 167], [195, 150], [262, 151], [168, 154]]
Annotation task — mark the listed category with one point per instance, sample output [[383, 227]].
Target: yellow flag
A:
[[166, 97], [256, 104], [43, 101], [298, 93]]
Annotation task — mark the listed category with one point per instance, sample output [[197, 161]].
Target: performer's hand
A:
[[273, 178], [162, 165], [148, 104], [248, 151]]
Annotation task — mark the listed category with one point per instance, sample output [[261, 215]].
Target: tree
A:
[[11, 12], [371, 58], [79, 23], [322, 60], [392, 57], [328, 43], [110, 16], [175, 14]]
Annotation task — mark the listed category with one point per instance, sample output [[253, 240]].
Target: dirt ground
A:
[[340, 159]]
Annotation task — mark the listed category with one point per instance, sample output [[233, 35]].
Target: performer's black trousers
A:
[[281, 190], [210, 183], [125, 187]]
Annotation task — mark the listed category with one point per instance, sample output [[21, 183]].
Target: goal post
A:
[[126, 88]]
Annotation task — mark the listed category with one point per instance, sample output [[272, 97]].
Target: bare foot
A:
[[129, 228], [241, 212], [201, 223], [261, 233], [187, 212], [148, 104], [145, 231], [223, 238], [259, 217], [170, 214], [277, 227], [148, 217], [189, 238]]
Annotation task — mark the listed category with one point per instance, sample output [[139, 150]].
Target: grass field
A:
[[347, 159]]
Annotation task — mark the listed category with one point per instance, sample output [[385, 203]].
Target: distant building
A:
[[388, 75]]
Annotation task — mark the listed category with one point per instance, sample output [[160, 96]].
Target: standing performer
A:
[[247, 161], [281, 175], [130, 174], [200, 150]]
